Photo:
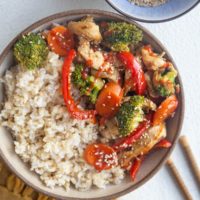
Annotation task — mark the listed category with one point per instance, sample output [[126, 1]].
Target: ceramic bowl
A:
[[152, 163], [165, 12]]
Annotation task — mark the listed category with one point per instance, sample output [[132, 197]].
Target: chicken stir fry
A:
[[129, 90]]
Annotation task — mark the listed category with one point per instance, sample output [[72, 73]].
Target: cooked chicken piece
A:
[[146, 142], [88, 54], [86, 29], [112, 58], [138, 57], [152, 60], [110, 129], [151, 91], [149, 105], [113, 76], [109, 71], [110, 68]]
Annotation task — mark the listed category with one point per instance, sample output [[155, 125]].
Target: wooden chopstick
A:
[[179, 180], [190, 156]]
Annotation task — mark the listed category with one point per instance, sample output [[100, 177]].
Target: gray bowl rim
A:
[[105, 14], [151, 21]]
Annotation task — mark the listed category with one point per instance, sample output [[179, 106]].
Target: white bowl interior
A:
[[22, 170]]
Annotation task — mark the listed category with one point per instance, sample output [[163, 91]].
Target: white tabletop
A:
[[182, 39]]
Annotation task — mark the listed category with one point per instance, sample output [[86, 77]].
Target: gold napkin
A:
[[12, 188]]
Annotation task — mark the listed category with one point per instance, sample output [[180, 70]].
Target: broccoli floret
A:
[[164, 81], [97, 86], [119, 35], [77, 76], [120, 46], [31, 51], [163, 91], [88, 86], [130, 115]]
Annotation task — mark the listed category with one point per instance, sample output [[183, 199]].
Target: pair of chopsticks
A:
[[193, 166]]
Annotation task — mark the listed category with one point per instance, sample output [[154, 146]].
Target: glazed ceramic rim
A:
[[152, 21], [117, 17]]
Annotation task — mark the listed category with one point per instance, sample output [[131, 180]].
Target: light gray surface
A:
[[181, 37]]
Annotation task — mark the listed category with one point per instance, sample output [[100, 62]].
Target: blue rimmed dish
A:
[[165, 12]]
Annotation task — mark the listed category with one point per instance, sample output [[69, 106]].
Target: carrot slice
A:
[[165, 110], [100, 156], [60, 40]]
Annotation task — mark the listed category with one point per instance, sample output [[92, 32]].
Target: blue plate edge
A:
[[151, 21]]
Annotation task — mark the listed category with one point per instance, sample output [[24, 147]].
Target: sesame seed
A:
[[61, 36], [97, 163]]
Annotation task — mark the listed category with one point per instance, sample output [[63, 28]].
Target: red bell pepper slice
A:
[[69, 101], [135, 167], [134, 136], [132, 64], [164, 144]]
